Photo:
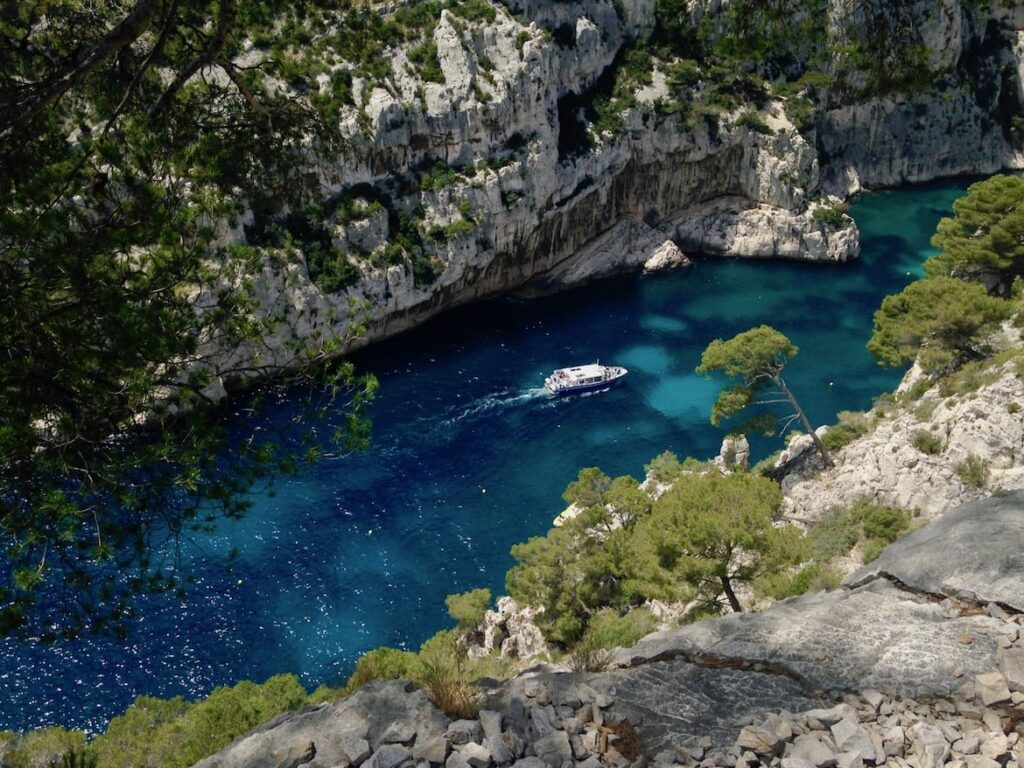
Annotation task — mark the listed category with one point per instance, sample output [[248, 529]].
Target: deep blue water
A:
[[469, 458]]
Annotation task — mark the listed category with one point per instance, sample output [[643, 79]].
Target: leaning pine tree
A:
[[755, 359]]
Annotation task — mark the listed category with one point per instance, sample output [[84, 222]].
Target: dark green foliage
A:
[[424, 61], [832, 216], [710, 533], [474, 10], [834, 535], [665, 468], [850, 427], [381, 664], [984, 239], [116, 168], [926, 442], [973, 472], [468, 608], [750, 119], [941, 322], [755, 360]]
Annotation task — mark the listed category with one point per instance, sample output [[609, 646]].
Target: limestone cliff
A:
[[489, 165]]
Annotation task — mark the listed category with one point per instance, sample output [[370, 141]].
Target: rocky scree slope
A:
[[916, 456], [918, 660], [481, 177]]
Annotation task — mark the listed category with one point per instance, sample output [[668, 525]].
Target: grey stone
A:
[[1011, 664], [389, 756], [851, 737], [991, 688], [490, 721], [796, 762], [849, 760], [590, 762], [873, 698], [355, 749], [402, 732], [579, 749], [433, 750], [542, 724], [500, 751], [554, 749], [980, 761], [811, 748], [572, 725], [455, 760], [969, 743], [464, 731], [994, 745], [894, 741], [930, 745], [477, 755], [759, 740], [974, 552]]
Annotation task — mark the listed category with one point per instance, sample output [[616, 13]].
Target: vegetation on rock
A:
[[756, 359]]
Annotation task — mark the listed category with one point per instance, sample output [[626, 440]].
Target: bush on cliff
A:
[[941, 322], [710, 534], [984, 239]]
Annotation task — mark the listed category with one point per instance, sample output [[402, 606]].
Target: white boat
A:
[[583, 378]]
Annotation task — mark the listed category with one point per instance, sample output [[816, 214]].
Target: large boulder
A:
[[973, 553], [377, 724]]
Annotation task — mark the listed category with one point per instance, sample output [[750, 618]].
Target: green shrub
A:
[[588, 655], [120, 746], [426, 270], [973, 472], [664, 468], [381, 664], [884, 523], [458, 229], [779, 586], [474, 10], [832, 216], [754, 122], [926, 442], [43, 747], [425, 62], [872, 549], [441, 668], [610, 629], [468, 608], [850, 427], [834, 535]]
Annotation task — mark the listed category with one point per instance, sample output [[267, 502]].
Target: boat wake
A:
[[498, 401]]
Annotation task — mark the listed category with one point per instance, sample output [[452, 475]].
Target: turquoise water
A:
[[468, 458]]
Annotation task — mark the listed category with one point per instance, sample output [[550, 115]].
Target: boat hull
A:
[[583, 388]]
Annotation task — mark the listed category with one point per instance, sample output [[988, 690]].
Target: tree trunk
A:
[[734, 602], [805, 421]]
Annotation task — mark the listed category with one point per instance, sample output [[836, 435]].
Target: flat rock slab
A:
[[342, 732], [675, 703], [876, 636], [974, 553]]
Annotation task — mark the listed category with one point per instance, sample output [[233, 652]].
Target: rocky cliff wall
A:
[[530, 206]]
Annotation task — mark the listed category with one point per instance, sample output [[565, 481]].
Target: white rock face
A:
[[511, 629], [545, 220], [887, 468], [666, 256]]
